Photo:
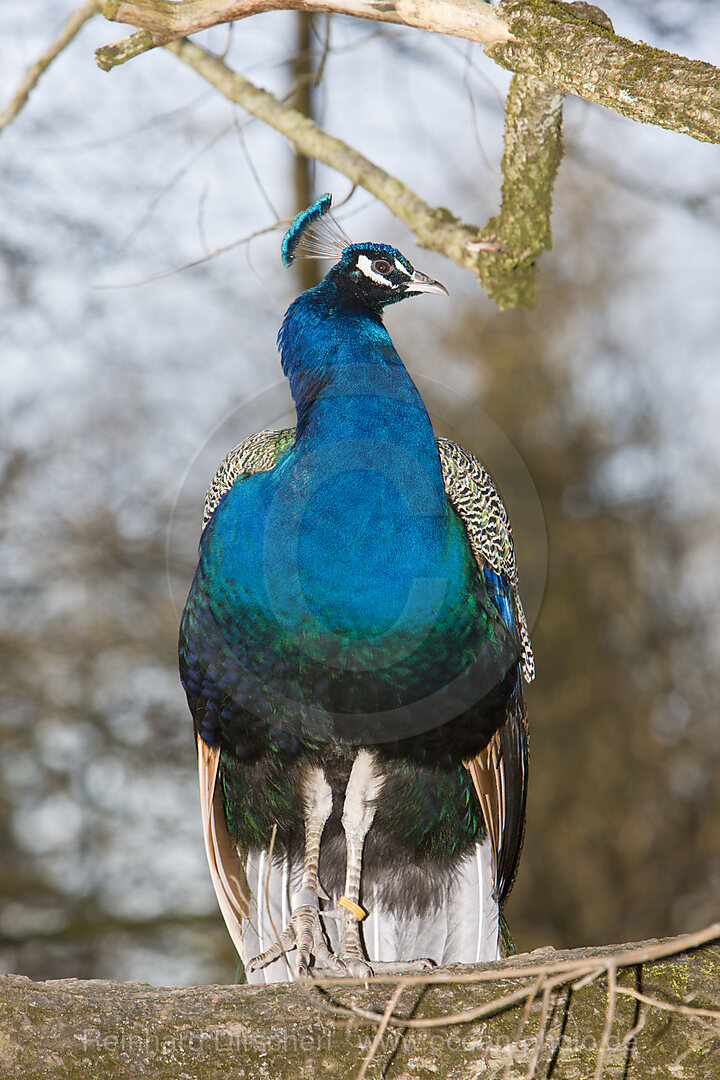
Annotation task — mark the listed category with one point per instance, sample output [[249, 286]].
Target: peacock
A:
[[353, 650]]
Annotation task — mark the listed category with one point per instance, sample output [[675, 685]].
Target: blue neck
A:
[[351, 533], [348, 383], [366, 458]]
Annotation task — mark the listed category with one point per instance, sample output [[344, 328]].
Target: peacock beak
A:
[[422, 283]]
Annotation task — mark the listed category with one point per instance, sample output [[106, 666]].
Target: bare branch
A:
[[475, 20], [503, 256], [570, 46], [32, 75], [434, 228]]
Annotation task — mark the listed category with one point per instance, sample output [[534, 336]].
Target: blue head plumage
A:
[[315, 233], [371, 275]]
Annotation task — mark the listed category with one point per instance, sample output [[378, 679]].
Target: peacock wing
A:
[[256, 454], [226, 861], [499, 775], [499, 771]]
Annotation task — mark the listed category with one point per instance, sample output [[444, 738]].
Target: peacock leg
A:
[[361, 794], [363, 788], [304, 931]]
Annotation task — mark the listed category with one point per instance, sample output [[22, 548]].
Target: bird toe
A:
[[355, 967]]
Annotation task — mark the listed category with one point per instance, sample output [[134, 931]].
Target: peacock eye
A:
[[381, 266]]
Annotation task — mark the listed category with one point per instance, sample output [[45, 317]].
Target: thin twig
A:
[[609, 1017], [540, 1037], [537, 986], [195, 262], [636, 1028], [382, 1027], [240, 128], [574, 968], [490, 1008], [170, 183], [271, 848], [31, 77], [587, 979], [669, 1006], [202, 237], [554, 975], [325, 52]]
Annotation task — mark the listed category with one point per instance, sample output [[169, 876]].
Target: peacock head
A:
[[376, 275], [373, 275]]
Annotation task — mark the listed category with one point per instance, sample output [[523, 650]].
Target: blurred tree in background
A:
[[606, 390]]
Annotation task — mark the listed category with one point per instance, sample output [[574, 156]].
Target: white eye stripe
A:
[[403, 269], [365, 265]]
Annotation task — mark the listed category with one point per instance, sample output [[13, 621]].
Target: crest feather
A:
[[314, 234]]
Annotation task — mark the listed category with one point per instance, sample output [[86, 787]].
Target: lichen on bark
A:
[[522, 229], [560, 45], [110, 1031]]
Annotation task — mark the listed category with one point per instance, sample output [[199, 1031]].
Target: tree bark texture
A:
[[69, 1028], [521, 231], [553, 48], [560, 44], [570, 46]]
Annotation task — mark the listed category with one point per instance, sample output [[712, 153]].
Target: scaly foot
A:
[[356, 967], [305, 933]]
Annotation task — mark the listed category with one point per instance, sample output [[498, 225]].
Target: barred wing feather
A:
[[499, 772]]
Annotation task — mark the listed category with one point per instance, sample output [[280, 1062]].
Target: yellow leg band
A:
[[356, 910]]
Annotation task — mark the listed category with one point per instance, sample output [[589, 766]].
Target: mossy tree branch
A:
[[521, 231], [501, 255], [568, 46], [564, 44], [644, 1011], [553, 47]]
